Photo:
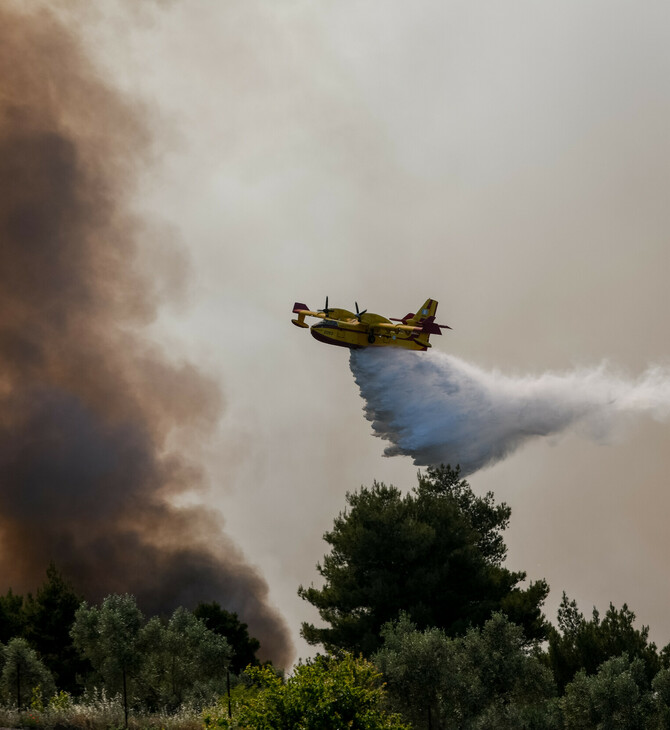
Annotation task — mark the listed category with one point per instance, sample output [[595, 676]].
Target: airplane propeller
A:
[[325, 310], [359, 314]]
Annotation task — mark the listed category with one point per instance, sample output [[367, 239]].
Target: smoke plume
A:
[[88, 408], [439, 409]]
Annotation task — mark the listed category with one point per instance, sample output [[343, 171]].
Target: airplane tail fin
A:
[[428, 309], [425, 318], [299, 308]]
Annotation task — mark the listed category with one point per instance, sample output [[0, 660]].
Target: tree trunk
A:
[[230, 709], [125, 700]]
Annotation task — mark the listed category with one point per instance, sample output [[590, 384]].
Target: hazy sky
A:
[[510, 160]]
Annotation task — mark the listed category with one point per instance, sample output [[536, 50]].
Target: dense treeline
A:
[[416, 583], [424, 628], [55, 641]]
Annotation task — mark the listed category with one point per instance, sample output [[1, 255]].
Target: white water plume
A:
[[437, 408]]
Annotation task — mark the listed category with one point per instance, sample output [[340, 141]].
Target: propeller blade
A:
[[325, 310]]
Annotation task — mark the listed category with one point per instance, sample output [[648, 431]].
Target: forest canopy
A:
[[425, 628]]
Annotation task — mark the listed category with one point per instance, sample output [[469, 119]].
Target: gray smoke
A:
[[437, 408], [89, 408]]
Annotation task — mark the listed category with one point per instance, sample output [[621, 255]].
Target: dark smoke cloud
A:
[[86, 405], [437, 408]]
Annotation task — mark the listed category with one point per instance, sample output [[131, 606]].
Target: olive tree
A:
[[109, 637], [184, 660], [22, 672], [491, 677]]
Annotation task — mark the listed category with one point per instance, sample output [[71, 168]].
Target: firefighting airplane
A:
[[362, 329]]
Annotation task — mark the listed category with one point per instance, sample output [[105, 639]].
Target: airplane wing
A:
[[341, 314], [302, 310], [428, 326]]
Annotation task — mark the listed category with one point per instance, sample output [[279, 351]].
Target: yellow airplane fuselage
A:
[[354, 335]]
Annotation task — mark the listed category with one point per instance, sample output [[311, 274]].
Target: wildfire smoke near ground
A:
[[86, 404]]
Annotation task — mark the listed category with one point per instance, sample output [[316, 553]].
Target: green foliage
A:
[[37, 698], [49, 617], [154, 665], [512, 685], [417, 666], [435, 553], [660, 687], [22, 671], [104, 654], [12, 616], [244, 693], [45, 621], [487, 678], [617, 696], [325, 693], [109, 637], [235, 632], [416, 581], [581, 644], [183, 661], [61, 701]]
